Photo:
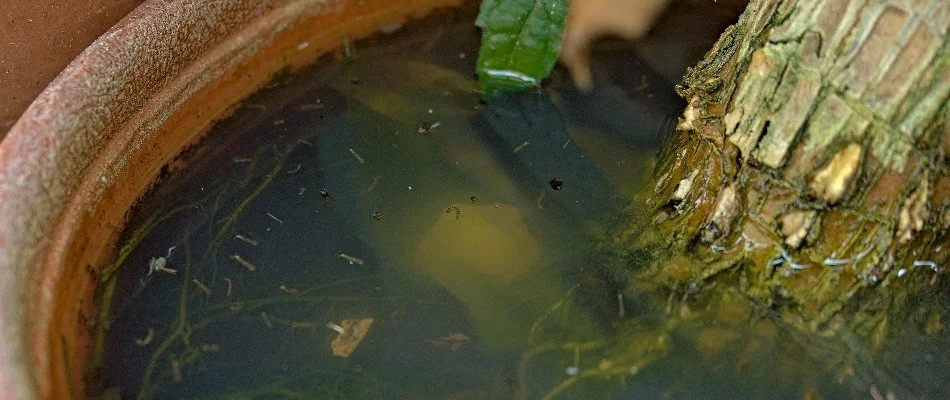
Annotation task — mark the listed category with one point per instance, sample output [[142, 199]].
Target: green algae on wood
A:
[[827, 156]]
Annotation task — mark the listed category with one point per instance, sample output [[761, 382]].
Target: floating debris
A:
[[876, 394], [454, 341], [556, 184], [326, 195], [836, 262], [797, 266], [918, 263], [303, 325], [427, 127], [373, 184], [245, 263], [347, 48], [274, 218], [791, 263], [351, 259], [522, 146], [353, 333], [864, 253], [278, 122], [288, 290], [357, 156], [304, 142], [541, 199], [147, 339], [643, 84], [266, 319], [309, 107], [390, 28], [572, 370], [160, 264], [337, 328], [620, 307], [176, 371], [246, 239], [238, 160], [378, 216], [295, 170], [458, 211], [228, 280], [209, 347], [204, 289]]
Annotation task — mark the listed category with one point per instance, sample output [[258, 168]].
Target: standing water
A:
[[367, 228]]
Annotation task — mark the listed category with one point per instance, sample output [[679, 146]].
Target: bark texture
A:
[[810, 167]]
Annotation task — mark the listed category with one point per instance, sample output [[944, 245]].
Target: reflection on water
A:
[[369, 229]]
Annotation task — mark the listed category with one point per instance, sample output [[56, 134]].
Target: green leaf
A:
[[521, 40]]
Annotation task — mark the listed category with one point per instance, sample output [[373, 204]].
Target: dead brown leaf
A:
[[354, 330]]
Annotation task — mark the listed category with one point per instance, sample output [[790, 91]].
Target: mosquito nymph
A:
[[458, 211]]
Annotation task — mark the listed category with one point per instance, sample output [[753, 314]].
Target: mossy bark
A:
[[810, 168]]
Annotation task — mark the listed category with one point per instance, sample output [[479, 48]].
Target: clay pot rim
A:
[[72, 148]]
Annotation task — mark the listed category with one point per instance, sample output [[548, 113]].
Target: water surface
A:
[[376, 185]]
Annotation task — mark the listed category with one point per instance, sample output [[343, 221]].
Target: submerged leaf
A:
[[474, 252], [521, 41]]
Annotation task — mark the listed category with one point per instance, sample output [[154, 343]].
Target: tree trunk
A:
[[810, 167]]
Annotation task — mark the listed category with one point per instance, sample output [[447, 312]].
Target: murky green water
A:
[[379, 187]]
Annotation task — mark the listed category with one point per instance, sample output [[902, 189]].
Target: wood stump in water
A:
[[809, 169]]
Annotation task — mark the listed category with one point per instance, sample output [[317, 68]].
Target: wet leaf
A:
[[521, 41]]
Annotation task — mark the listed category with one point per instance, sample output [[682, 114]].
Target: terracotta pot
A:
[[96, 138], [40, 38]]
